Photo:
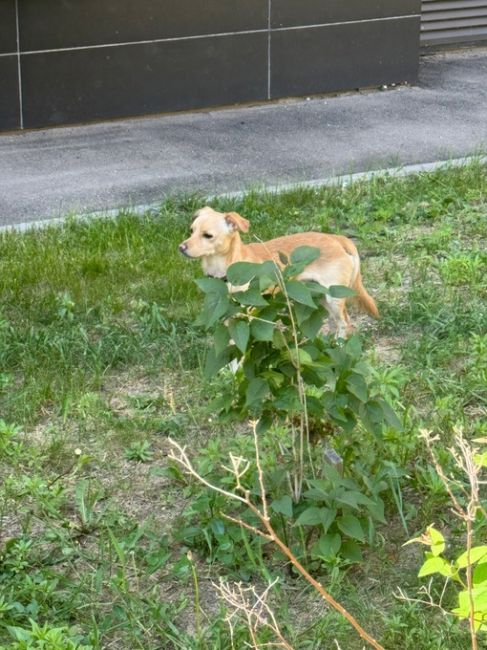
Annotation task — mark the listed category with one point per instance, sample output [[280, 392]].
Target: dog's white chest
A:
[[214, 266]]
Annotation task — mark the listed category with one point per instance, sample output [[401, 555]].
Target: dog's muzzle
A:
[[183, 248]]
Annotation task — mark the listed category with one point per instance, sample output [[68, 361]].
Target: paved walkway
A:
[[48, 173]]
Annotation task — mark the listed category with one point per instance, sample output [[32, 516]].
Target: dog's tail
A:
[[365, 300]]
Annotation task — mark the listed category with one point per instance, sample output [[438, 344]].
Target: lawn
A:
[[106, 544]]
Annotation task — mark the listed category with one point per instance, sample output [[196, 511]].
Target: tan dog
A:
[[216, 240]]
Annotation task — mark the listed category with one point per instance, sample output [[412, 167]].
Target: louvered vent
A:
[[453, 21]]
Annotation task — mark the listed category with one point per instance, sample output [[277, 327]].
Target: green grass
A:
[[100, 362]]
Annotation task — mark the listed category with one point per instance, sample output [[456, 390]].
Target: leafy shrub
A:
[[301, 386], [288, 369]]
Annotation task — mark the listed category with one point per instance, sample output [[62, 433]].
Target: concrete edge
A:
[[343, 181]]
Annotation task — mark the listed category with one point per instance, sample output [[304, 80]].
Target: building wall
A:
[[69, 61]]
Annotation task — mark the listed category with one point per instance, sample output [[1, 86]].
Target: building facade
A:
[[74, 61]]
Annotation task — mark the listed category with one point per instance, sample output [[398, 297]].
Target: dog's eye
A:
[[207, 235]]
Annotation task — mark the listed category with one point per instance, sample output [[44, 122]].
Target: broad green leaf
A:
[[354, 499], [480, 574], [310, 517], [219, 405], [333, 475], [375, 411], [217, 526], [214, 362], [212, 285], [261, 330], [284, 506], [21, 634], [333, 407], [221, 338], [300, 356], [239, 331], [339, 357], [377, 511], [266, 282], [479, 596], [287, 399], [312, 350], [327, 546], [312, 325], [269, 268], [435, 565], [241, 273], [350, 550], [257, 391], [351, 526], [302, 312], [353, 347], [357, 385], [306, 254], [328, 516], [363, 499], [437, 541], [278, 339], [316, 288], [347, 498], [390, 416], [339, 291], [251, 297], [215, 306], [264, 423], [478, 554], [299, 292], [316, 494], [273, 378]]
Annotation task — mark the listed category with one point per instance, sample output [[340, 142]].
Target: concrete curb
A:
[[344, 180]]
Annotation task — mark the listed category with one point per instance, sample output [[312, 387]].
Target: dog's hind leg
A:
[[338, 316]]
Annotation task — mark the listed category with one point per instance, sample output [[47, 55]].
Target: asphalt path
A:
[[49, 173]]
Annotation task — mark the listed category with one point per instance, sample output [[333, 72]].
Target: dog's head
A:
[[212, 233]]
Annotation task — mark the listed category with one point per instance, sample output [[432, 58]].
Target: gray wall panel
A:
[[85, 60], [343, 57], [48, 24], [101, 83], [9, 95]]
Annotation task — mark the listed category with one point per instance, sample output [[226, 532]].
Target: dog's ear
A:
[[237, 222]]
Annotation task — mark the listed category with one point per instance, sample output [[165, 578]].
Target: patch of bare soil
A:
[[388, 349]]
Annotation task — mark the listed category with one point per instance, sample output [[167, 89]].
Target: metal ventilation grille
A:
[[453, 21]]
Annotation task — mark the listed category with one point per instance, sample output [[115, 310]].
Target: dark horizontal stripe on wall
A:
[[344, 57], [100, 83], [8, 27], [52, 24], [9, 93], [289, 13]]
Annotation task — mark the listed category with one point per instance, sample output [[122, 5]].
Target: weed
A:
[[139, 451]]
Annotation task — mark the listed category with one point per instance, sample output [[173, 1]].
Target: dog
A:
[[215, 239]]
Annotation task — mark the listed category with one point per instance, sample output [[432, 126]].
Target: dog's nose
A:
[[183, 247]]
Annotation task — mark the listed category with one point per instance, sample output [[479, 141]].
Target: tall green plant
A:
[[289, 373]]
